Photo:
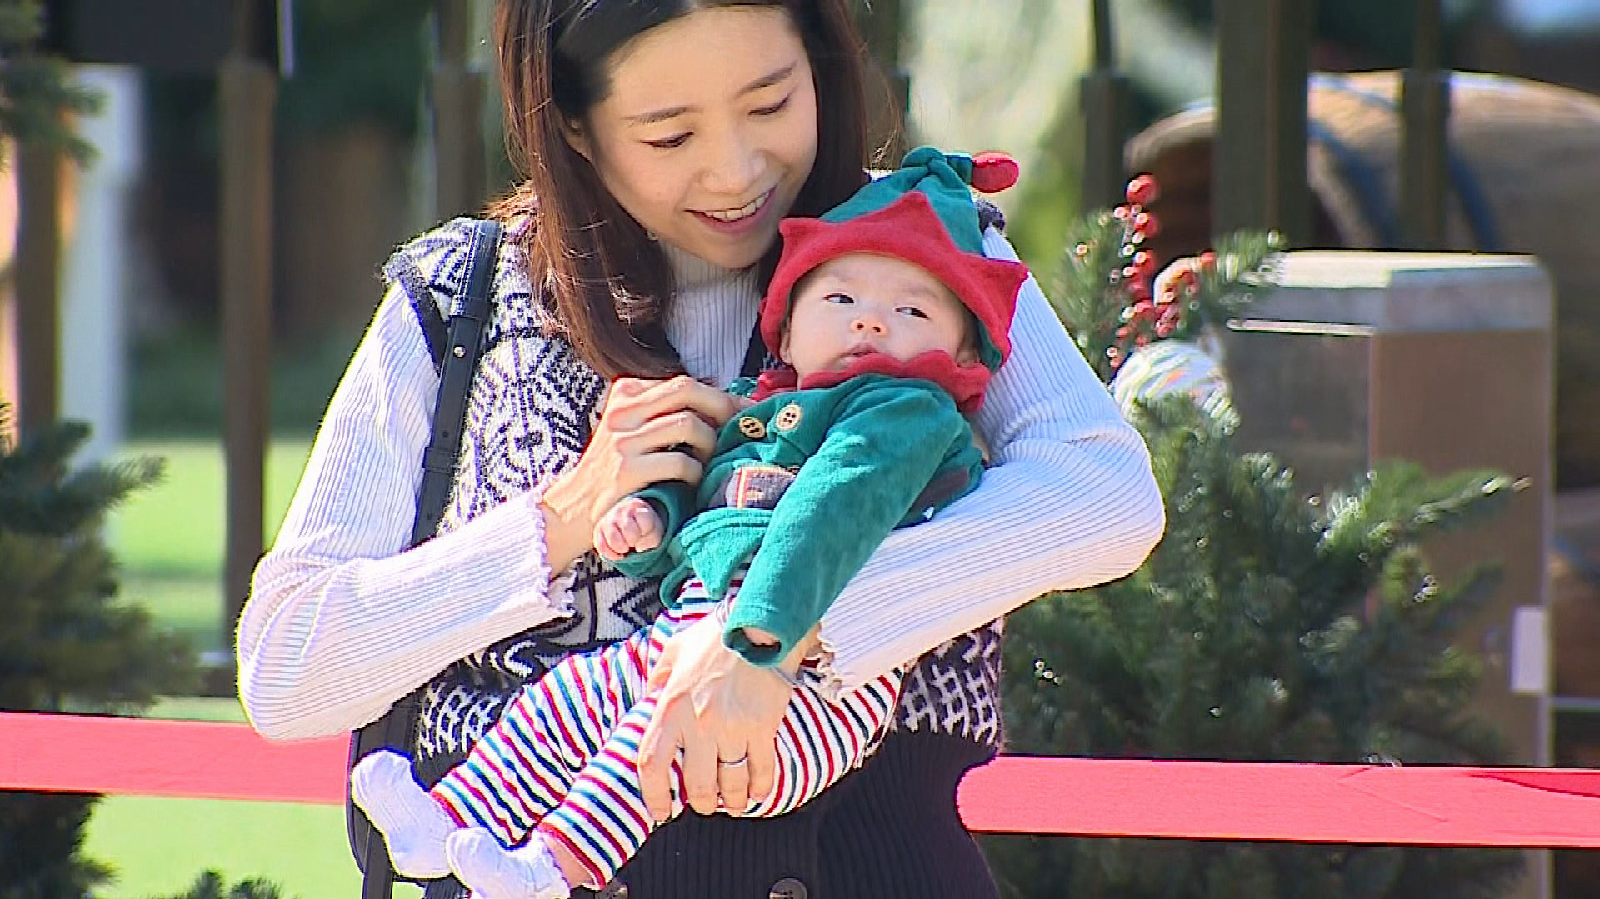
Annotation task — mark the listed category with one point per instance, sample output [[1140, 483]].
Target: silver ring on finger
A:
[[735, 763]]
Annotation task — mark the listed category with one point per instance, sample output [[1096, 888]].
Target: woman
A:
[[662, 141]]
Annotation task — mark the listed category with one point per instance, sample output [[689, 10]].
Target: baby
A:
[[889, 321]]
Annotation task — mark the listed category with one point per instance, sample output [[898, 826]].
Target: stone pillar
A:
[[1444, 360]]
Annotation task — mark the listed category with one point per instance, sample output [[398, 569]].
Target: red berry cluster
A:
[[1157, 301]]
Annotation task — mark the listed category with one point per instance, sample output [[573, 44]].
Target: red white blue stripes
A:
[[564, 756]]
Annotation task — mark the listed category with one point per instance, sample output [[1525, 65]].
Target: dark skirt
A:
[[887, 830]]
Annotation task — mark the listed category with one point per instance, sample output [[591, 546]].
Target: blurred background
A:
[[355, 162]]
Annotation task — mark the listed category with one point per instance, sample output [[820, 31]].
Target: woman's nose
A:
[[733, 166]]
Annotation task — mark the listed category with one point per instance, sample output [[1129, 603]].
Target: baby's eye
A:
[[913, 311], [842, 299]]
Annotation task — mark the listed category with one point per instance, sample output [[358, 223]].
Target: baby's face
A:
[[863, 303]]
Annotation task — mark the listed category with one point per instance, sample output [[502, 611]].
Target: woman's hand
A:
[[649, 431], [717, 707]]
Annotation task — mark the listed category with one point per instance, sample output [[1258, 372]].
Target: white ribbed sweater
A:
[[342, 620]]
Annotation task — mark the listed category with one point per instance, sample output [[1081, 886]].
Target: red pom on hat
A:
[[993, 172]]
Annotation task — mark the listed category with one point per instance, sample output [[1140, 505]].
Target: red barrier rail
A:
[[1431, 806]]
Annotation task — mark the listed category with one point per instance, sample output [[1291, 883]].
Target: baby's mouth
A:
[[858, 351]]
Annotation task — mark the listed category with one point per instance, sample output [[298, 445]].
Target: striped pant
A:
[[564, 756]]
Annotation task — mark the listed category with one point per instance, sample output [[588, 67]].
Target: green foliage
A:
[[357, 60], [210, 885], [67, 646], [37, 93], [1265, 626], [1108, 295], [39, 836]]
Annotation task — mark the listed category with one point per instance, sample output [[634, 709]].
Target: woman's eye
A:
[[668, 143], [842, 299], [774, 109]]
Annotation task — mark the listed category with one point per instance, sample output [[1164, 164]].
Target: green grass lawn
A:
[[169, 541], [169, 538]]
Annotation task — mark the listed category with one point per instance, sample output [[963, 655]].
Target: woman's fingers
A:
[[660, 466], [682, 430], [700, 774], [658, 748], [631, 402], [762, 768], [733, 780]]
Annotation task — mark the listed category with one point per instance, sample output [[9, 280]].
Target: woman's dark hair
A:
[[602, 275]]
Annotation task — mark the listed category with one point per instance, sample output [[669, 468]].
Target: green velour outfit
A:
[[866, 456]]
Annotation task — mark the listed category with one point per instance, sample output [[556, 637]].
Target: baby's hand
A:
[[630, 526]]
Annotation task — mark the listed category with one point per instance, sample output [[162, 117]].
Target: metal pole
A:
[[1424, 143], [1259, 153], [248, 91], [460, 154], [1103, 94]]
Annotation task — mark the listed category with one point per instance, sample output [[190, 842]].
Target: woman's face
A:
[[708, 131]]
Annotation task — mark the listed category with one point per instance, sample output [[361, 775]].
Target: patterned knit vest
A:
[[531, 409]]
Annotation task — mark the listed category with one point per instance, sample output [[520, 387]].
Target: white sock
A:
[[491, 871], [412, 823]]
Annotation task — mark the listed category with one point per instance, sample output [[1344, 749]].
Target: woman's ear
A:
[[577, 138]]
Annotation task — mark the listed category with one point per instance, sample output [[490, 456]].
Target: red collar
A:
[[964, 383]]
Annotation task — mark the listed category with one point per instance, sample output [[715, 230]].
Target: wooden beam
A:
[[1424, 143], [247, 96], [1259, 153], [33, 318], [461, 180], [1103, 96]]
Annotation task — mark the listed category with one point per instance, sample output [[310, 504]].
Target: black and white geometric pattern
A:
[[955, 689], [532, 407]]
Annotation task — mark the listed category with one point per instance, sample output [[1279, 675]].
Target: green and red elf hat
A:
[[923, 213]]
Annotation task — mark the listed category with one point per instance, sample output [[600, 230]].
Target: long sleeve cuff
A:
[[337, 642]]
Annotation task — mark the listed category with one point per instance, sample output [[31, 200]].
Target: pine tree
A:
[[210, 885], [1267, 625], [37, 92], [67, 644]]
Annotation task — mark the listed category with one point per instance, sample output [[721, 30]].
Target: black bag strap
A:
[[455, 346]]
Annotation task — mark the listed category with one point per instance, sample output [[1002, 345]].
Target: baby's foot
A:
[[491, 871], [412, 823]]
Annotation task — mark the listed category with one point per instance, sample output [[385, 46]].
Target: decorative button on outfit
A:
[[788, 888], [751, 427], [788, 418]]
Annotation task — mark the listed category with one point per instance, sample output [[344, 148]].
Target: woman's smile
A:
[[741, 220]]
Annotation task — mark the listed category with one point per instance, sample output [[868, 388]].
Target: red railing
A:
[[1432, 806]]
